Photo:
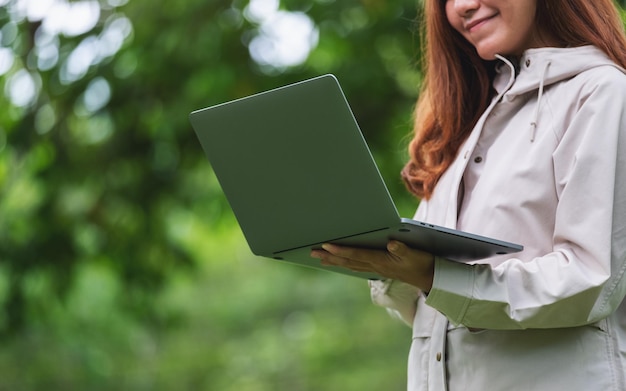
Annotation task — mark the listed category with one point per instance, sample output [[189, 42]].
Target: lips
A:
[[469, 26]]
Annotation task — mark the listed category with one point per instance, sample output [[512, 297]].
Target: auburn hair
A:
[[457, 84]]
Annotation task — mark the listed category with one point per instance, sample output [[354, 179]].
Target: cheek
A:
[[453, 17]]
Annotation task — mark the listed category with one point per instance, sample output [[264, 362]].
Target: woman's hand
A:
[[399, 262]]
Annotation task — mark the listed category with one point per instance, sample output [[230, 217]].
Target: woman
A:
[[520, 134]]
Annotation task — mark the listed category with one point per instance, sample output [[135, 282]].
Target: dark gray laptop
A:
[[297, 173]]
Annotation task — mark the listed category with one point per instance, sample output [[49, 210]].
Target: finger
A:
[[333, 248], [319, 254], [329, 259], [351, 253], [350, 265], [326, 255]]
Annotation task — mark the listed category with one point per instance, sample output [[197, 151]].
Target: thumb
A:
[[396, 248]]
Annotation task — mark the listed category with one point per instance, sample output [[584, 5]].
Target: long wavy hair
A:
[[457, 85]]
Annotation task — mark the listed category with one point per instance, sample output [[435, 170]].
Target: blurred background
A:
[[121, 264]]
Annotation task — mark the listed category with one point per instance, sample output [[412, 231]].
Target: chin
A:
[[487, 50], [487, 56]]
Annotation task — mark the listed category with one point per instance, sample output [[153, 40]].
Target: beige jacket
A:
[[544, 167]]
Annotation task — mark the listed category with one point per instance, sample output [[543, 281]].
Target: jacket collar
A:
[[538, 68], [546, 66]]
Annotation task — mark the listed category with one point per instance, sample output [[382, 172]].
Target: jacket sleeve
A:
[[582, 280], [399, 298]]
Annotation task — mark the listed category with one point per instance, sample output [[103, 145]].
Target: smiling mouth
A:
[[473, 25]]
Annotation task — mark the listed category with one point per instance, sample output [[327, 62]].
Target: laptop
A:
[[297, 173]]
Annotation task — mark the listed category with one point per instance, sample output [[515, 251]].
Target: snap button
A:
[[527, 62], [438, 356], [478, 159]]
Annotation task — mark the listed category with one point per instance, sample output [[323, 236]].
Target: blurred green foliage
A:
[[121, 265]]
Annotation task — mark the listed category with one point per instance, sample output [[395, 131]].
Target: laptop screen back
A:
[[294, 166]]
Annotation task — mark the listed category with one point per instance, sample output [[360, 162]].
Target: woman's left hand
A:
[[399, 262]]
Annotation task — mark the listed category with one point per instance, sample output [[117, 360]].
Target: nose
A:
[[465, 7]]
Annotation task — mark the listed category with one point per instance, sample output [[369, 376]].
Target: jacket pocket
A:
[[424, 319], [573, 359]]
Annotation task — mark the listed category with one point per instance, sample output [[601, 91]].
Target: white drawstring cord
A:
[[511, 79], [533, 123]]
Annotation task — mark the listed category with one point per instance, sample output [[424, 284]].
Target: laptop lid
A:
[[294, 166]]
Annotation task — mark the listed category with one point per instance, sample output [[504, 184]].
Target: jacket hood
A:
[[545, 66], [539, 68]]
